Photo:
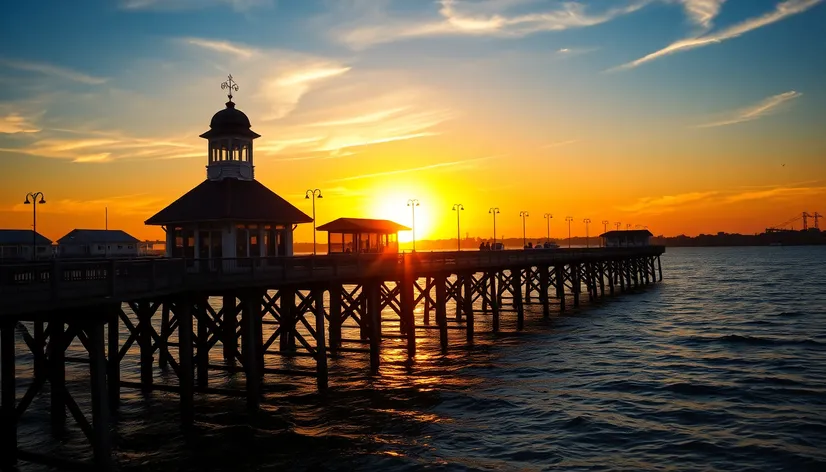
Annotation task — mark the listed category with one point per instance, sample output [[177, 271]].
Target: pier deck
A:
[[175, 311]]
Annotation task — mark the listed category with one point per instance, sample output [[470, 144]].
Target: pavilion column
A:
[[170, 240]]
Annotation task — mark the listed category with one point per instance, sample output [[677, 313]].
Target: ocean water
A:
[[720, 367]]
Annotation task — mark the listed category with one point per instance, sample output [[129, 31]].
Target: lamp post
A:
[[587, 221], [494, 211], [628, 227], [458, 207], [549, 217], [605, 224], [413, 203], [569, 219], [618, 224], [33, 203], [524, 215], [313, 194]]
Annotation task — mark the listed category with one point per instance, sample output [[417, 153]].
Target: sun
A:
[[396, 206]]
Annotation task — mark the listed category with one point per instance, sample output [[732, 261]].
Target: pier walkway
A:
[[176, 311]]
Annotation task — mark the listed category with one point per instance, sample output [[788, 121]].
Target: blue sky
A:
[[695, 97]]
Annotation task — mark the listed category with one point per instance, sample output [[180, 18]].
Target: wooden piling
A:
[[321, 349], [495, 300], [145, 343], [202, 343], [335, 317], [287, 341], [516, 286], [408, 314], [467, 298], [185, 368], [163, 344], [56, 363], [441, 309], [39, 345], [373, 288], [101, 443], [252, 311], [544, 282], [229, 327], [560, 286], [576, 282], [113, 356], [8, 413]]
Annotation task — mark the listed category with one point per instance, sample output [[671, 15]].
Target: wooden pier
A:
[[176, 311]]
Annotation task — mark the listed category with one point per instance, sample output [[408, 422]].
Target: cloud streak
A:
[[764, 108], [14, 123], [782, 10], [462, 17], [54, 71]]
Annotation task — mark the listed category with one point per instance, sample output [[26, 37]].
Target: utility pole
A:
[[817, 216]]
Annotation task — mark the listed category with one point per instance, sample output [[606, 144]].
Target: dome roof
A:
[[229, 121]]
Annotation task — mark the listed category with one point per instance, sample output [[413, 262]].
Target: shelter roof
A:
[[633, 232], [362, 225], [21, 236], [95, 236], [230, 200]]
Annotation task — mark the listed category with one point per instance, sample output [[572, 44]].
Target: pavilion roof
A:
[[22, 237], [230, 200], [362, 225], [97, 236], [630, 232]]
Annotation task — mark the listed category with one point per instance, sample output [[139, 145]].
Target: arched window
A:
[[235, 153], [223, 153], [245, 155]]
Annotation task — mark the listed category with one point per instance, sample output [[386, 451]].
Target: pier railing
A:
[[30, 286]]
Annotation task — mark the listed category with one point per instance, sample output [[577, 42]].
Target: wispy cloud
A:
[[670, 203], [465, 162], [14, 123], [53, 71], [282, 77], [488, 17], [98, 147], [782, 10], [239, 50], [776, 193], [757, 111], [703, 12], [665, 203]]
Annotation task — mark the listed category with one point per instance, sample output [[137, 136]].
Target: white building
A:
[[16, 244], [230, 214], [630, 238], [97, 243]]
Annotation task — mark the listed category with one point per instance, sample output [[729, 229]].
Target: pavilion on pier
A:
[[230, 214], [361, 235]]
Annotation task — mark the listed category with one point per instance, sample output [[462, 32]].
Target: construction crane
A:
[[817, 216], [806, 217]]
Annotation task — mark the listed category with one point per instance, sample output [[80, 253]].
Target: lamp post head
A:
[[307, 197], [42, 200], [320, 195], [27, 202]]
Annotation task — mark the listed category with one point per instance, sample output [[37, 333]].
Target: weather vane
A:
[[229, 85]]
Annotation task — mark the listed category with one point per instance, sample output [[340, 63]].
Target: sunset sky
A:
[[686, 116]]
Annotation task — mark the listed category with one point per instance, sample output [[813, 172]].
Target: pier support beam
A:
[[467, 302], [335, 317], [8, 413], [57, 375], [373, 295], [560, 286], [494, 299], [101, 442], [441, 309], [321, 348], [113, 355], [544, 282], [163, 343], [229, 327], [516, 285], [185, 368], [251, 319], [408, 320]]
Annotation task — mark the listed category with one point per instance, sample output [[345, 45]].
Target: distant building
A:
[[97, 243], [230, 214], [16, 244], [349, 235], [631, 238]]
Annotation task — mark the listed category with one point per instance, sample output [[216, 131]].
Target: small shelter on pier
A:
[[629, 238], [230, 214], [16, 244], [97, 243], [360, 235]]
